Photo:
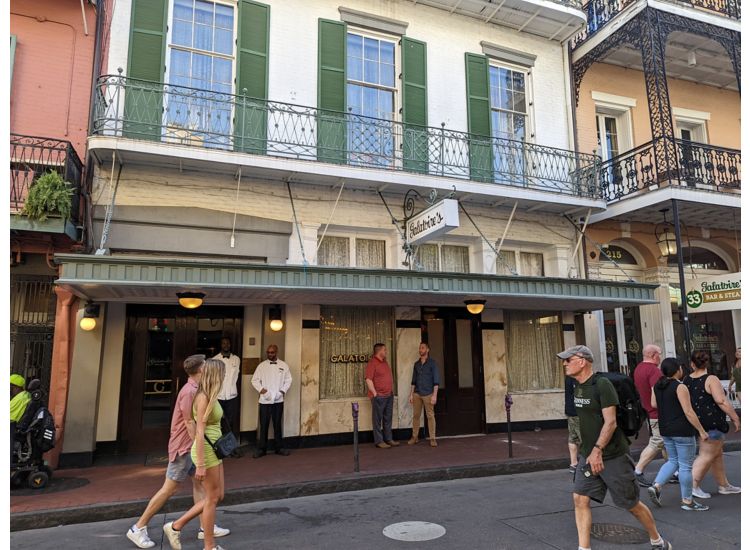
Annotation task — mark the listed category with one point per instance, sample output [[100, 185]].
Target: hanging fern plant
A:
[[49, 195]]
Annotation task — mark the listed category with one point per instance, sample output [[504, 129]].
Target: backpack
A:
[[630, 413], [44, 430]]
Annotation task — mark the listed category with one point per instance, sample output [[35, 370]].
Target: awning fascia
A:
[[155, 279]]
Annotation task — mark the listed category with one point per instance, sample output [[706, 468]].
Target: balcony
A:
[[601, 12], [699, 166], [30, 157], [705, 179], [223, 124]]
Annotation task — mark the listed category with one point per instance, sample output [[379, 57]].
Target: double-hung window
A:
[[200, 61], [509, 120], [371, 98]]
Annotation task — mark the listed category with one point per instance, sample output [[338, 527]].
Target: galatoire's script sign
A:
[[436, 220], [719, 293]]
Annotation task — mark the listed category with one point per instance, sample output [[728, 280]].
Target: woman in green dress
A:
[[209, 469]]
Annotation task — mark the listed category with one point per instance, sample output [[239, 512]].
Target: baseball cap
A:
[[581, 351], [17, 380]]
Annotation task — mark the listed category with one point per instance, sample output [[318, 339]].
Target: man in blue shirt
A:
[[424, 382]]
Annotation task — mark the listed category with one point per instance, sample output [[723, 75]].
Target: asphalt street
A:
[[520, 511]]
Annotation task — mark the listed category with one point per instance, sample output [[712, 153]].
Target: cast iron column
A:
[[681, 271], [653, 47]]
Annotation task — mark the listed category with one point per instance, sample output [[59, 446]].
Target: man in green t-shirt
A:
[[605, 463]]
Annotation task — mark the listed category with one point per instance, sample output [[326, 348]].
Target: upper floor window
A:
[[371, 92], [201, 56], [508, 103]]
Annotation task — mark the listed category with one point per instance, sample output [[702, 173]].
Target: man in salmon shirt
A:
[[379, 380], [180, 465]]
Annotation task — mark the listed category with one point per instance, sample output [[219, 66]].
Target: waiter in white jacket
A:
[[272, 379], [228, 397]]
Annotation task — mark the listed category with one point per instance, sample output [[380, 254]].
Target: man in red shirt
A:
[[379, 380], [646, 374]]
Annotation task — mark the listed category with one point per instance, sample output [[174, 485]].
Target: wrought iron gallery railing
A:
[[601, 12], [697, 166], [30, 157], [139, 109]]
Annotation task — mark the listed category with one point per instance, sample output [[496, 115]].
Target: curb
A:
[[40, 519]]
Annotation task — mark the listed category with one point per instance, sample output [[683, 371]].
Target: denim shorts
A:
[[716, 435], [180, 468]]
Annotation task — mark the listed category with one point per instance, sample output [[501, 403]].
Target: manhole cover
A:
[[618, 533], [414, 531], [56, 484]]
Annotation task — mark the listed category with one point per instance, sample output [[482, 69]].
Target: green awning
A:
[[149, 279]]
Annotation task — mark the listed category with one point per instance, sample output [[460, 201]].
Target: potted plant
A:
[[48, 195]]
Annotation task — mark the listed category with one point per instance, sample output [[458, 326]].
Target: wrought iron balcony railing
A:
[[601, 12], [30, 157], [699, 166], [166, 113]]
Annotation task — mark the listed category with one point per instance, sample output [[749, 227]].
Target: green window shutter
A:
[[414, 110], [143, 95], [480, 130], [251, 115], [331, 91]]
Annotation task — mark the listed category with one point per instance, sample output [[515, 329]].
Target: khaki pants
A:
[[419, 402]]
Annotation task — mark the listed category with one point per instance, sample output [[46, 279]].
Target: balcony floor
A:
[[701, 208], [274, 168]]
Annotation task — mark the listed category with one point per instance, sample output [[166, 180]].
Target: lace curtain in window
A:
[[347, 332], [427, 257], [454, 259], [532, 264], [334, 251], [370, 253], [533, 339], [508, 261]]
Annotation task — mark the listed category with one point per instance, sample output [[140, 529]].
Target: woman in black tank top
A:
[[711, 406], [678, 425]]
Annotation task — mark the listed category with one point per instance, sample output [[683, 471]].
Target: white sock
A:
[[657, 541], [582, 548], [638, 473]]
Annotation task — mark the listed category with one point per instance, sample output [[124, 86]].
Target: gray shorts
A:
[[180, 468], [618, 477]]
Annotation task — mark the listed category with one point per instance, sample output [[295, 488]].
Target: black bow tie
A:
[[273, 362], [228, 355]]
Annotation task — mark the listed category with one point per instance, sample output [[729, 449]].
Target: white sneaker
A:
[[700, 493], [729, 490], [172, 536], [139, 537], [218, 532]]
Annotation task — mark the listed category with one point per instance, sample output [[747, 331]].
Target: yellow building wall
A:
[[724, 105]]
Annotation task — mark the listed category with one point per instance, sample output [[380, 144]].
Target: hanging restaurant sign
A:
[[718, 293], [440, 218]]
